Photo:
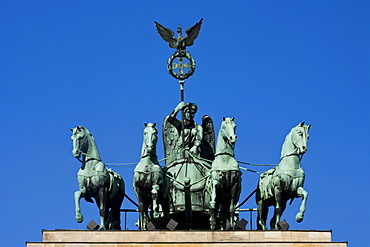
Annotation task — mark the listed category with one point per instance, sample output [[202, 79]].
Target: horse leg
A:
[[156, 180], [79, 217], [304, 194], [115, 216], [215, 185], [141, 208], [223, 213], [116, 205], [143, 218], [262, 215], [155, 208], [262, 211], [78, 195], [146, 218], [115, 213], [212, 205], [138, 181], [274, 223], [164, 201], [102, 203], [234, 194]]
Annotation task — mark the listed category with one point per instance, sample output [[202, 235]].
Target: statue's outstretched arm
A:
[[172, 117], [179, 107]]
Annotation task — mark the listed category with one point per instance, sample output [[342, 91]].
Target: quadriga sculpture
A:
[[149, 181], [277, 185], [225, 180], [96, 181]]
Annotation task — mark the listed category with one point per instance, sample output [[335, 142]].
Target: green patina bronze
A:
[[277, 185], [204, 186], [150, 182], [96, 181], [188, 148], [196, 178], [185, 65], [200, 184], [225, 180]]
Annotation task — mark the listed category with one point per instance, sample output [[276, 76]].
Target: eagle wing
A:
[[166, 34], [192, 33]]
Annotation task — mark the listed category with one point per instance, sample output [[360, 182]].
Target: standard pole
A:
[[188, 209], [182, 90], [182, 98]]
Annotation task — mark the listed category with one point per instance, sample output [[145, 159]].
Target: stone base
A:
[[79, 238]]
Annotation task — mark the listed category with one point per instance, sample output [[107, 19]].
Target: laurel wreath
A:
[[181, 54]]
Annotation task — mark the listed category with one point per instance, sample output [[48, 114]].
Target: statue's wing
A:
[[170, 137], [208, 142], [166, 34], [192, 33]]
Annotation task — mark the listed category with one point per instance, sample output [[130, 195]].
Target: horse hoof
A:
[[299, 217], [79, 219]]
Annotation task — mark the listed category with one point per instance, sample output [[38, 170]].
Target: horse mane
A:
[[87, 132], [287, 138], [91, 140], [85, 129]]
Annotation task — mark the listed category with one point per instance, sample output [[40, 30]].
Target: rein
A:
[[85, 154], [300, 156], [227, 142], [224, 154], [294, 151], [144, 156], [88, 159]]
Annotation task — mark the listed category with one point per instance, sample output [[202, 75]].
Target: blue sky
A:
[[101, 64]]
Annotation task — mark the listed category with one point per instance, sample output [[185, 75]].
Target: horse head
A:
[[227, 131], [150, 138], [299, 137], [79, 141]]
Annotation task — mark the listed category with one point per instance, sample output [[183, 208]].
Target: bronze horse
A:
[[225, 179], [149, 181], [277, 185], [96, 181]]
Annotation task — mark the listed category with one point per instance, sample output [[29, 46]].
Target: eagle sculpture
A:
[[180, 42]]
